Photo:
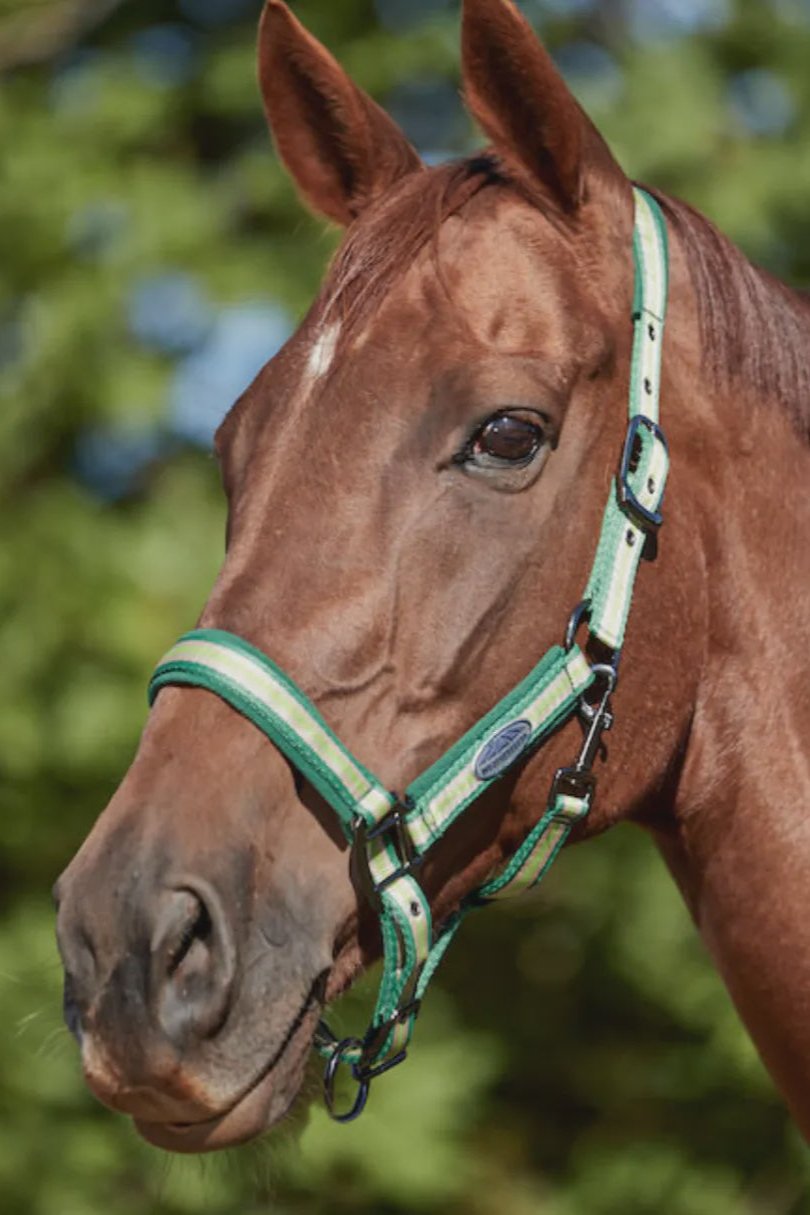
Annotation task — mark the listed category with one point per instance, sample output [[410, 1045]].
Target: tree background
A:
[[579, 1056]]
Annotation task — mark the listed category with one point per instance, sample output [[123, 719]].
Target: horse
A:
[[416, 484]]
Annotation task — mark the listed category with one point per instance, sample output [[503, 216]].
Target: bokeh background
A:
[[579, 1056]]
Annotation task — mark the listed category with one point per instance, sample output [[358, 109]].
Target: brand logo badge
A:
[[502, 749]]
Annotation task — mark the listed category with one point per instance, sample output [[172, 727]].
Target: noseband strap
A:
[[390, 835]]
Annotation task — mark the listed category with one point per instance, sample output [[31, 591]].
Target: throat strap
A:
[[390, 835]]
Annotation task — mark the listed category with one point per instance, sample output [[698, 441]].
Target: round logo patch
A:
[[502, 749]]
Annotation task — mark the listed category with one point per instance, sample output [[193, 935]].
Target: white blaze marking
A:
[[322, 352]]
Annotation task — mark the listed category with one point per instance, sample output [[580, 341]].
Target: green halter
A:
[[391, 835]]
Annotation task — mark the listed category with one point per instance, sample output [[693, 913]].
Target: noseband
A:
[[389, 834]]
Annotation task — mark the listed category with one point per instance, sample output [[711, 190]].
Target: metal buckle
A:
[[648, 520], [409, 860], [376, 1037]]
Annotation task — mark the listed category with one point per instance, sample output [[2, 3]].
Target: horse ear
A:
[[341, 149], [521, 101]]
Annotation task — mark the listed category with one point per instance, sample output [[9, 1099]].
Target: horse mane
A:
[[754, 328]]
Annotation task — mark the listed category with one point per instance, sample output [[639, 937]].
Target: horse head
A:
[[415, 486]]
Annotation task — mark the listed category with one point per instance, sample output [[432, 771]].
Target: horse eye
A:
[[506, 439]]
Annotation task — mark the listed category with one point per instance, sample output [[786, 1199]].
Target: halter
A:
[[390, 835]]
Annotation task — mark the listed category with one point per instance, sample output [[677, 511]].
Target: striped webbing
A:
[[623, 538], [550, 694]]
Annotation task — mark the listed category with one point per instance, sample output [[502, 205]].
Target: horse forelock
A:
[[382, 244]]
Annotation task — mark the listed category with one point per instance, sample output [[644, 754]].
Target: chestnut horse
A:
[[415, 485]]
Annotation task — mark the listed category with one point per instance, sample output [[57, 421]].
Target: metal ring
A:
[[580, 613], [330, 1072]]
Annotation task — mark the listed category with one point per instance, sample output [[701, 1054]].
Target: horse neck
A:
[[747, 469], [740, 843]]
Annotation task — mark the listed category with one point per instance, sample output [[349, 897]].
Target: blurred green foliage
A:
[[580, 1056]]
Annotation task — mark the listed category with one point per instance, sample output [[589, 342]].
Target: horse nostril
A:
[[197, 927], [193, 961], [173, 932]]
